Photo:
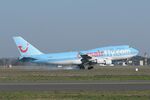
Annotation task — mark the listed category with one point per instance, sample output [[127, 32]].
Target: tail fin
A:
[[25, 48]]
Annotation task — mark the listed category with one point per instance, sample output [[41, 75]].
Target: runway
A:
[[97, 86]]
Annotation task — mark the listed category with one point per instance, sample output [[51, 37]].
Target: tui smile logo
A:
[[23, 49]]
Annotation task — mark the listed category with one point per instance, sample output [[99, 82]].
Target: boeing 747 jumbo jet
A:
[[84, 59]]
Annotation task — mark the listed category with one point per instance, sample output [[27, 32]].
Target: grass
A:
[[103, 73], [40, 78], [80, 95], [100, 74]]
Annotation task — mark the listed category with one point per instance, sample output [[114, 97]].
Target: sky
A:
[[74, 25]]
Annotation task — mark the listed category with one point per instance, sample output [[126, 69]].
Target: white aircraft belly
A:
[[121, 57], [66, 62]]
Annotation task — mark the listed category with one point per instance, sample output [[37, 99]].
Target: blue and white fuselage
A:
[[112, 53], [98, 55]]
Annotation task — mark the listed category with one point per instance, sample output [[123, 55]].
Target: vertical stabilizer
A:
[[25, 48]]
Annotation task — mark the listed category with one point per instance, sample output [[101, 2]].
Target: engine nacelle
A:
[[104, 61], [108, 62], [100, 61]]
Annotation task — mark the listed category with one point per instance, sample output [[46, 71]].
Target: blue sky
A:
[[67, 25]]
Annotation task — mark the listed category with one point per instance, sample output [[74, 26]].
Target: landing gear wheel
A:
[[81, 66], [91, 67]]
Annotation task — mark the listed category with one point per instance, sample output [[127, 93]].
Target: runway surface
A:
[[100, 86]]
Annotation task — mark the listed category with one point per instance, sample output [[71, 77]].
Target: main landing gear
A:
[[89, 67]]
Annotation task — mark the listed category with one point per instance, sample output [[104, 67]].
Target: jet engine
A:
[[104, 61]]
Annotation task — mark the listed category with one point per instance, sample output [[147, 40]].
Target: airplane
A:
[[84, 59]]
